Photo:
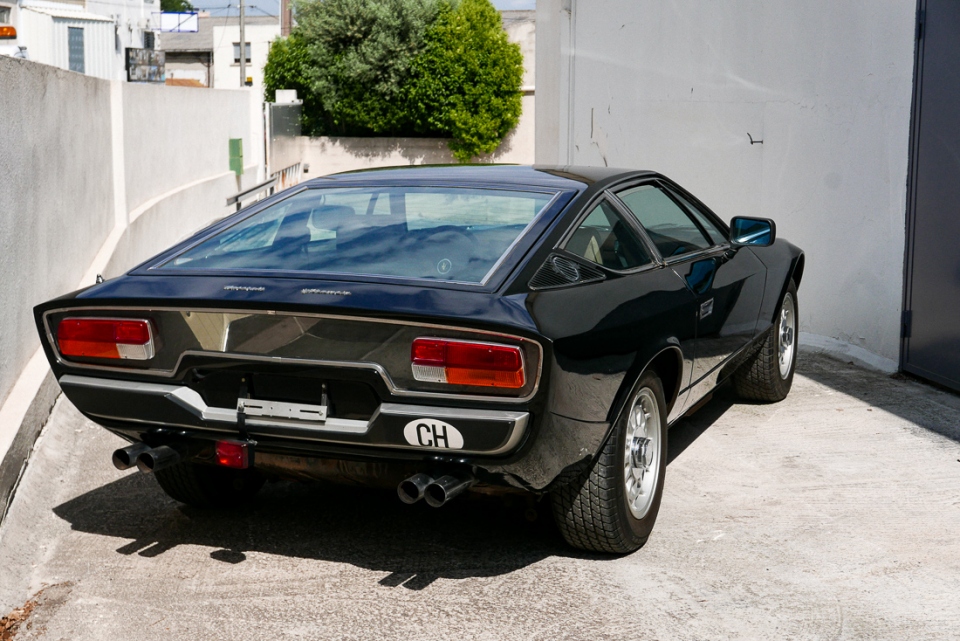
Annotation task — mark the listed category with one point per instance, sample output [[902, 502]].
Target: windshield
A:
[[457, 234]]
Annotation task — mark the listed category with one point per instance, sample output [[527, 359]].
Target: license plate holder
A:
[[280, 409]]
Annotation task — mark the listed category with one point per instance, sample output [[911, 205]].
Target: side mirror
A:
[[758, 232]]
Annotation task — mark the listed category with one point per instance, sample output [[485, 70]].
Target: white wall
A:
[[677, 85], [56, 194], [176, 135], [99, 175], [226, 73]]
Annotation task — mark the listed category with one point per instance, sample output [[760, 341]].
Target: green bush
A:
[[360, 53], [466, 83], [284, 69], [402, 68]]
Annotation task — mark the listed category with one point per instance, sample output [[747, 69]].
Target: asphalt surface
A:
[[832, 515]]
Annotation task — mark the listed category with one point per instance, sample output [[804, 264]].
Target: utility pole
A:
[[243, 49]]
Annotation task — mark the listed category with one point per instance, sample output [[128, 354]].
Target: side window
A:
[[605, 239], [670, 228], [716, 234]]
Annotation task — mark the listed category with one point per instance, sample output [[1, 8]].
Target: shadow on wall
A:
[[329, 155]]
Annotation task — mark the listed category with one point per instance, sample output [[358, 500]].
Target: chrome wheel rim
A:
[[641, 453], [787, 335]]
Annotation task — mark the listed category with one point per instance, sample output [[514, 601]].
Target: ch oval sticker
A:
[[429, 432]]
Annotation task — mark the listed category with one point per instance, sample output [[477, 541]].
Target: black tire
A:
[[208, 486], [760, 378], [592, 511]]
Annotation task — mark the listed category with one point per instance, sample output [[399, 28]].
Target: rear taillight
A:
[[437, 360], [106, 338], [235, 454]]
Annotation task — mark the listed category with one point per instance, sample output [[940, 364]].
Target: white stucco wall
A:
[[56, 194], [677, 86], [97, 176], [177, 135]]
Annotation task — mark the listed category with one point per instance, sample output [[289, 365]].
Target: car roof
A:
[[551, 177]]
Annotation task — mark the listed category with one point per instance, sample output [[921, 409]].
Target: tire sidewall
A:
[[640, 529], [787, 383]]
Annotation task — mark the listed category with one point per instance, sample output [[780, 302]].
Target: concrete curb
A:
[[18, 455]]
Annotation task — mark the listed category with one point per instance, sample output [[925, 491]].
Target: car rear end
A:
[[370, 347]]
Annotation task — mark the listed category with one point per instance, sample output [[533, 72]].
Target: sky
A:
[[271, 7]]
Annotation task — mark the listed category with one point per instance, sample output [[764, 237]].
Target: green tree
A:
[[466, 82], [360, 52], [285, 69], [176, 6], [402, 67]]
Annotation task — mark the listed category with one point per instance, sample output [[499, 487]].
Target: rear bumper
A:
[[394, 426]]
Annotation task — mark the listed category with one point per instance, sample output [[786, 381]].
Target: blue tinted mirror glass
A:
[[751, 231]]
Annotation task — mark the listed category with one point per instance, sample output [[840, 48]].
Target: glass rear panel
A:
[[455, 234]]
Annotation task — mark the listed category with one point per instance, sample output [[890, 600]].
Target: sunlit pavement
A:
[[832, 515]]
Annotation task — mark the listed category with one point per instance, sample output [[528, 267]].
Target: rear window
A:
[[456, 234]]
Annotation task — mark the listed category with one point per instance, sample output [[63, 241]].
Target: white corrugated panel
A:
[[49, 33]]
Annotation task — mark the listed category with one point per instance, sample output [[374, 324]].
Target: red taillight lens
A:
[[464, 363], [106, 338], [233, 454]]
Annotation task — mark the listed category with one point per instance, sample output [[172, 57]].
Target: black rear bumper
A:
[[503, 446]]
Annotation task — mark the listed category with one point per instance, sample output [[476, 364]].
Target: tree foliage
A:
[[360, 54], [177, 6], [286, 62], [466, 83], [402, 68]]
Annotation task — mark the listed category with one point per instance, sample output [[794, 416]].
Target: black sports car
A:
[[437, 329]]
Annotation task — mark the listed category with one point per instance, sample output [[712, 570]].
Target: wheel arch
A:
[[667, 363]]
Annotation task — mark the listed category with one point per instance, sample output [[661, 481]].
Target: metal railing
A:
[[256, 189]]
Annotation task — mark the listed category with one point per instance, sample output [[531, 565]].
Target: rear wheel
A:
[[613, 506], [208, 486], [768, 375]]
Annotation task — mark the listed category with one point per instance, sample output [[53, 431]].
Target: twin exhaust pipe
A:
[[147, 459], [435, 491]]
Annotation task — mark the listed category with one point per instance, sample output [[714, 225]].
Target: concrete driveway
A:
[[832, 515]]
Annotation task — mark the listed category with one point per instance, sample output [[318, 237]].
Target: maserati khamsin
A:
[[439, 330]]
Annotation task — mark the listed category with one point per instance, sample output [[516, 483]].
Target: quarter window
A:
[[670, 228], [604, 238], [716, 234]]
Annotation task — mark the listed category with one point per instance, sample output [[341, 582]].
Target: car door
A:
[[727, 281], [600, 329]]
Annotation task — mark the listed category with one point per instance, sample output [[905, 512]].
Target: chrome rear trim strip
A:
[[326, 431]]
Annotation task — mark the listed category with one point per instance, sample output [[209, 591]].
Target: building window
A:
[[75, 48], [236, 53], [4, 15], [148, 40]]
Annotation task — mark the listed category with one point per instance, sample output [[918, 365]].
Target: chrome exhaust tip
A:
[[126, 457], [411, 490], [157, 459], [446, 488]]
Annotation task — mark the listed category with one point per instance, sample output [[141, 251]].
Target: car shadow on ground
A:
[[472, 536]]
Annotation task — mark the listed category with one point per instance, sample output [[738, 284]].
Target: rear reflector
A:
[[106, 338], [438, 360], [235, 454]]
